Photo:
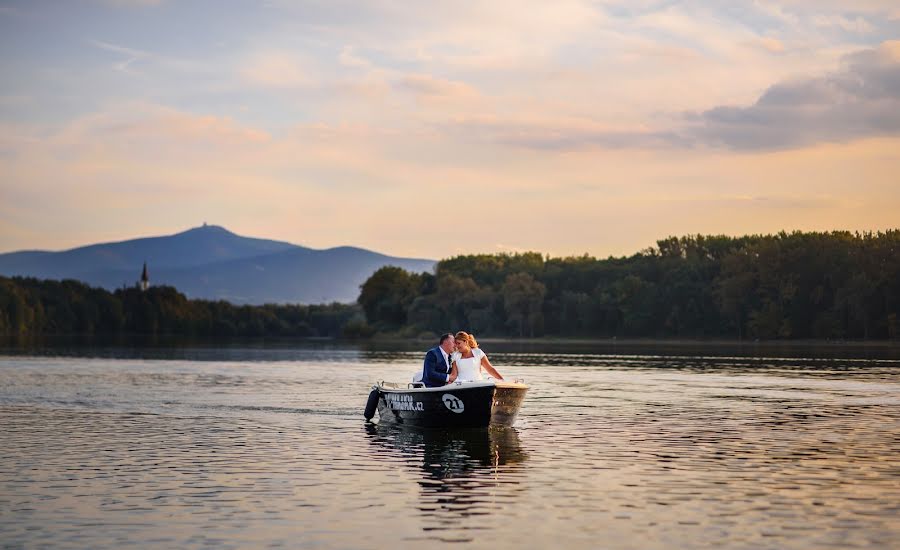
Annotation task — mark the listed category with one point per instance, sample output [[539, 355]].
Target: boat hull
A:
[[506, 403], [470, 405]]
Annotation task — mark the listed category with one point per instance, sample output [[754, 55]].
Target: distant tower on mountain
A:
[[144, 283]]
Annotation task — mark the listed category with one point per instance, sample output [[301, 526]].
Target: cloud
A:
[[120, 49], [155, 64], [132, 3], [140, 168], [772, 45], [133, 137], [278, 70], [429, 86], [571, 113], [860, 100], [349, 58], [857, 25], [560, 134], [131, 55]]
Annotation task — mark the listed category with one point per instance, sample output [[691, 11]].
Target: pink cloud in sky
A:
[[564, 127]]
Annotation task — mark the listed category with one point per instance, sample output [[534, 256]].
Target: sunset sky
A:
[[435, 128]]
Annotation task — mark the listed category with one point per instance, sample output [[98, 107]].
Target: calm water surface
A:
[[268, 447]]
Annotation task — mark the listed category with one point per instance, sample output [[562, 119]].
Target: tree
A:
[[522, 300], [386, 296]]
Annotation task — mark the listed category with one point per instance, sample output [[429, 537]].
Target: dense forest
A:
[[32, 307], [836, 285]]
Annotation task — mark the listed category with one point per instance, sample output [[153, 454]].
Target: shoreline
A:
[[75, 344], [178, 347], [660, 342], [7, 339]]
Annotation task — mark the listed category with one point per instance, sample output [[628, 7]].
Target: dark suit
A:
[[436, 370]]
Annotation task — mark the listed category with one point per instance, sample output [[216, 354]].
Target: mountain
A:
[[213, 263]]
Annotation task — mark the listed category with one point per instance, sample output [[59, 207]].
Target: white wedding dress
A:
[[469, 370]]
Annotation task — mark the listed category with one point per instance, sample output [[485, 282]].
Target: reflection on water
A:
[[249, 447], [461, 473], [530, 351]]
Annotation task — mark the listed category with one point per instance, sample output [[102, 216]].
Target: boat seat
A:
[[401, 386]]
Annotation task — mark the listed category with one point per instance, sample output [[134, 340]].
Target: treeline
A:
[[32, 306], [836, 285]]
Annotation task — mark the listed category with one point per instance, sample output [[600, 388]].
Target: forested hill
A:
[[784, 286], [212, 263], [790, 286]]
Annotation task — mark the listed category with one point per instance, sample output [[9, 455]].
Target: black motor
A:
[[371, 405]]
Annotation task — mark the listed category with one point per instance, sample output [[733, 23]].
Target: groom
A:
[[436, 371]]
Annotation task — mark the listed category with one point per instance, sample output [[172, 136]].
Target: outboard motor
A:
[[371, 404]]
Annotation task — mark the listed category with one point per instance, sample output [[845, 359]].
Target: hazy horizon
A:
[[169, 234], [432, 130], [380, 251]]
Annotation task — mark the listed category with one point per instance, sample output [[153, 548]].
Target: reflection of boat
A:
[[457, 405], [474, 447], [464, 475]]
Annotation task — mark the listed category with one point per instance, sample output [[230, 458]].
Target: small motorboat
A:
[[456, 405]]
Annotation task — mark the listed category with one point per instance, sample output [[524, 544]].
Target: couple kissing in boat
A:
[[456, 358], [450, 391]]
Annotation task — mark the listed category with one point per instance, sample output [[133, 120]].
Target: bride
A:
[[468, 360]]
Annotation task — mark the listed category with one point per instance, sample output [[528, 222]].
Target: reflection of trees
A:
[[464, 473]]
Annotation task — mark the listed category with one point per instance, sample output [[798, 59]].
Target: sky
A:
[[432, 129]]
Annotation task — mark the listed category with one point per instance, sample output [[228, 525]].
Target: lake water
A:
[[257, 447]]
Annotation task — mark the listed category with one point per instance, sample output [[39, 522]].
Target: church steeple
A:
[[144, 283]]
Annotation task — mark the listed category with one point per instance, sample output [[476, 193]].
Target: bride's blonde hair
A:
[[468, 338]]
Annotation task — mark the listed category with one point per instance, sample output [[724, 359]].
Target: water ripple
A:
[[610, 451]]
